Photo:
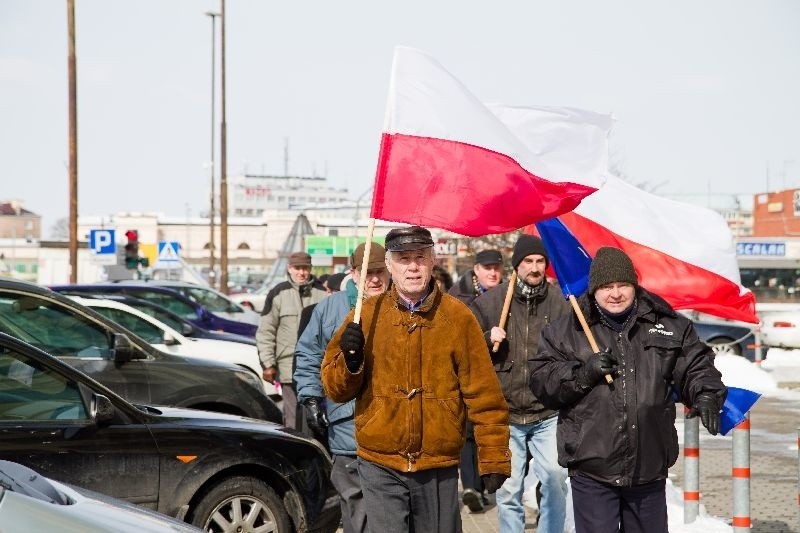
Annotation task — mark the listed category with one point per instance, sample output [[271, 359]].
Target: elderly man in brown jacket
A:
[[417, 366]]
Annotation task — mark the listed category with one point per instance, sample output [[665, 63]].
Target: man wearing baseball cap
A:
[[417, 368], [277, 330]]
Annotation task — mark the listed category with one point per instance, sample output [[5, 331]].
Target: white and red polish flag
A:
[[682, 252], [447, 161]]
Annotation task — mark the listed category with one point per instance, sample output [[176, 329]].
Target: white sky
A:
[[705, 93]]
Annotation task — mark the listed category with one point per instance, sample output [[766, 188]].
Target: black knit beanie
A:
[[525, 246], [611, 265]]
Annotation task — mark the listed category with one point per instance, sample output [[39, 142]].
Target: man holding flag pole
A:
[[416, 365], [513, 344], [619, 440]]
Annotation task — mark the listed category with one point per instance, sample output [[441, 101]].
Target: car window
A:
[[138, 325], [168, 301], [213, 301], [52, 327], [30, 391]]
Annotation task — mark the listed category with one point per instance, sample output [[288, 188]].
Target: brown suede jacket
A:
[[424, 372]]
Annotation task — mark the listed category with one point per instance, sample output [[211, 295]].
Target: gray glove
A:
[[595, 369]]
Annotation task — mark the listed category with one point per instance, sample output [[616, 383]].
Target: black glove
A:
[[595, 369], [352, 346], [316, 418], [493, 481], [707, 406]]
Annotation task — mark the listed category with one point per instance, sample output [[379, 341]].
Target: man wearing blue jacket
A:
[[321, 412]]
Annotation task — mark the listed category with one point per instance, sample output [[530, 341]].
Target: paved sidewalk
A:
[[773, 466]]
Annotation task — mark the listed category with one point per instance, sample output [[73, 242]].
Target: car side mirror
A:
[[169, 340], [102, 409], [123, 348], [187, 330]]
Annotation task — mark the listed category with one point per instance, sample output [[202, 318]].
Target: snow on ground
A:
[[780, 366]]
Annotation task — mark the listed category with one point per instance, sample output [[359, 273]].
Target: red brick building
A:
[[777, 214]]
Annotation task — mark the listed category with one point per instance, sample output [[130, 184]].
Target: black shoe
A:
[[472, 499]]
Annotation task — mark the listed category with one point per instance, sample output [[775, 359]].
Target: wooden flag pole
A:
[[587, 331], [506, 306], [362, 279]]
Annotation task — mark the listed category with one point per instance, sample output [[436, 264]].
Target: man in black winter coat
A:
[[618, 440]]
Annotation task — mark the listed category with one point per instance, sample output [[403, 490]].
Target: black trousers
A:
[[410, 502], [603, 508], [468, 467]]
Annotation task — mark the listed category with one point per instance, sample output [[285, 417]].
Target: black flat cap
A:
[[411, 238], [488, 257]]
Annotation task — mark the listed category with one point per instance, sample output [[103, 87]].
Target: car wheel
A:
[[242, 504], [724, 346]]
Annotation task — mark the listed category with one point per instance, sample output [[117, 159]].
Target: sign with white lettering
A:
[[761, 249]]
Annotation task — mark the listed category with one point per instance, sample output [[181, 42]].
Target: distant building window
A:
[[29, 225], [21, 269], [333, 232], [207, 246], [243, 246]]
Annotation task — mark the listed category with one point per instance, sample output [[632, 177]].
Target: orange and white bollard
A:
[[691, 468], [741, 476], [758, 354]]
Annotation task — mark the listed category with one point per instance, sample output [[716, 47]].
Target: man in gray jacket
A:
[[277, 331], [532, 425], [323, 413]]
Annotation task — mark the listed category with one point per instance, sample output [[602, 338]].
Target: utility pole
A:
[[211, 275], [73, 145], [223, 180]]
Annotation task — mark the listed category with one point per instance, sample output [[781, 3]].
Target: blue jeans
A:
[[540, 438]]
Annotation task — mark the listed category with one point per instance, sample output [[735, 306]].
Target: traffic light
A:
[[132, 249]]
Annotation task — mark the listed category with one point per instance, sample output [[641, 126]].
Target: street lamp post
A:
[[211, 276], [223, 171]]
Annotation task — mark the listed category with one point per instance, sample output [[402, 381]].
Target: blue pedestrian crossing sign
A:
[[167, 254], [103, 246]]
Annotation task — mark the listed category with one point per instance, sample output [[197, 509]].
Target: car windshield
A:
[[169, 301], [52, 327], [212, 300], [30, 391], [159, 314], [136, 324]]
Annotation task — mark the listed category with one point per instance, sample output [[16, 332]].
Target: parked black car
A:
[[219, 472], [124, 362], [171, 297]]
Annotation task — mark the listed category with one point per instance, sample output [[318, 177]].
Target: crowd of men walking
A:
[[483, 380]]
